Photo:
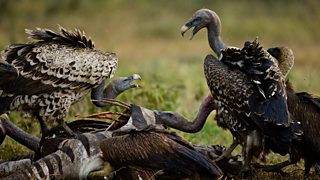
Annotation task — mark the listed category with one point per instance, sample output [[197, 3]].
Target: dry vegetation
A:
[[145, 35]]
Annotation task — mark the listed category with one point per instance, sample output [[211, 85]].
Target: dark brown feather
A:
[[158, 151], [238, 95]]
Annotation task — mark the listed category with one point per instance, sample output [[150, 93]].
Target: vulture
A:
[[46, 76], [154, 154], [138, 148], [249, 90], [141, 148], [285, 58], [305, 109]]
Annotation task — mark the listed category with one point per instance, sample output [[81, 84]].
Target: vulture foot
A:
[[228, 152]]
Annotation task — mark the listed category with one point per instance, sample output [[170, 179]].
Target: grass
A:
[[145, 35]]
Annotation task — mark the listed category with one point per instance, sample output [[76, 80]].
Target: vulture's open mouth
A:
[[193, 23]]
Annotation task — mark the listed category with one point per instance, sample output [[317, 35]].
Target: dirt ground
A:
[[293, 172]]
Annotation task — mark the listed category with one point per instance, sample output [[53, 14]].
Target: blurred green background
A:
[[146, 37]]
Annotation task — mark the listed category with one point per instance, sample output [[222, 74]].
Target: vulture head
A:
[[285, 58], [113, 89], [206, 18]]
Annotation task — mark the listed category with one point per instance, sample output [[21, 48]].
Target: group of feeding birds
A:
[[250, 93]]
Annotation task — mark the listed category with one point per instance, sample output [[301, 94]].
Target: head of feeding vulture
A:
[[285, 58], [46, 76]]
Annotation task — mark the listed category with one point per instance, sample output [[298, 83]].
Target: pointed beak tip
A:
[[136, 77], [191, 36], [184, 29]]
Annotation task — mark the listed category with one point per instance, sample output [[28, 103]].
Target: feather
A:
[[61, 65]]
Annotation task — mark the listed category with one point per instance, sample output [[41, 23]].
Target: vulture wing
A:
[[58, 60], [239, 95], [157, 150]]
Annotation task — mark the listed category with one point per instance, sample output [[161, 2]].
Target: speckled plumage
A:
[[239, 95], [52, 73], [249, 90]]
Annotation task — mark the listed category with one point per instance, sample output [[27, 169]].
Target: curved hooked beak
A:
[[193, 23]]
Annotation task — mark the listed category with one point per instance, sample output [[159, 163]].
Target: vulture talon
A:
[[228, 152]]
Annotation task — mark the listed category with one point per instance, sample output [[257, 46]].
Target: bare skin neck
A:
[[214, 37], [176, 121]]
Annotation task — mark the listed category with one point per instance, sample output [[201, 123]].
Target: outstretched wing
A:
[[58, 60]]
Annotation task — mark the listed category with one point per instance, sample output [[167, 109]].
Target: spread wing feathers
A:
[[258, 65], [59, 60], [74, 38], [157, 150], [239, 95]]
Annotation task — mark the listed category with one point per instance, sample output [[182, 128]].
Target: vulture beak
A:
[[194, 23]]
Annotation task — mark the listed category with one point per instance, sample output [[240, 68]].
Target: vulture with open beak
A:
[[249, 90]]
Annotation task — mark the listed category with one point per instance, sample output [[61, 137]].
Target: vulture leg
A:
[[113, 89], [293, 159], [47, 132], [230, 149], [2, 130], [8, 128], [176, 121], [252, 145], [316, 168]]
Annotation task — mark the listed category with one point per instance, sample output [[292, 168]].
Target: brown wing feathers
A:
[[76, 38], [248, 84], [64, 60]]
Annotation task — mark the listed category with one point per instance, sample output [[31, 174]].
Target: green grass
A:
[[145, 35]]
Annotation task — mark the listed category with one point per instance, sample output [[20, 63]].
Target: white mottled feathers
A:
[[45, 77], [65, 60]]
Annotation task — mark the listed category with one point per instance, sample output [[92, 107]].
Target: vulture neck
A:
[[19, 135], [98, 94], [176, 121], [214, 37]]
